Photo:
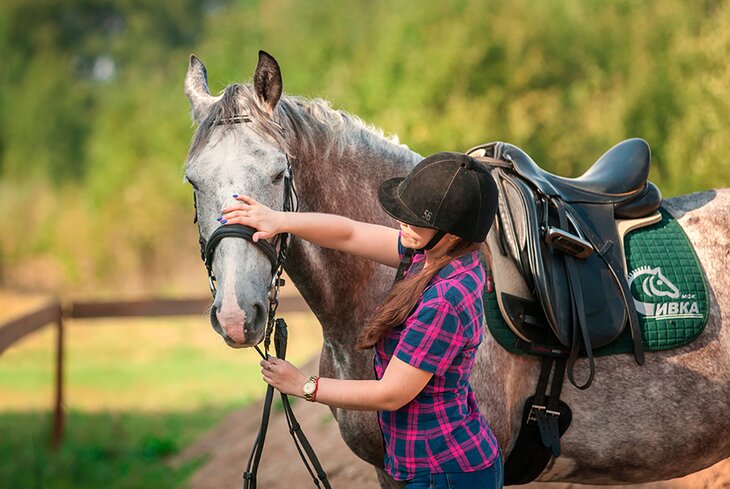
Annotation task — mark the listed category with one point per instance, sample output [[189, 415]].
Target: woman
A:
[[427, 330]]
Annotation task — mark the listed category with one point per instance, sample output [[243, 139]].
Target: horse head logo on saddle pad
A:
[[650, 289]]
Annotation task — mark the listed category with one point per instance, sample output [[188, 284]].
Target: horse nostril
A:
[[260, 316], [217, 327]]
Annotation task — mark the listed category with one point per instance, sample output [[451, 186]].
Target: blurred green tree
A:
[[94, 126]]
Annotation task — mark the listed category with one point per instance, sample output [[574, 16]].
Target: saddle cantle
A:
[[561, 235]]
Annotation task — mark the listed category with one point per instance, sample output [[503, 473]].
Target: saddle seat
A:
[[619, 177]]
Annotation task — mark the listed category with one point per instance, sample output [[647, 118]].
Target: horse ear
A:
[[267, 81], [196, 89]]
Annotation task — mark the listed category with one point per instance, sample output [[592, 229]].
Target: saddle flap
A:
[[524, 218]]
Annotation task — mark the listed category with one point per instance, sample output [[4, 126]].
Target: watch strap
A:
[[312, 380]]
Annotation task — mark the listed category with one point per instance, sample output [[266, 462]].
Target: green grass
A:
[[136, 392], [142, 365], [101, 450]]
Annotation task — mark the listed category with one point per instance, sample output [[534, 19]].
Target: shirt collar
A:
[[457, 266]]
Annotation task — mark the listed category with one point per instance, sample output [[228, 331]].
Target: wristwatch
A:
[[310, 388]]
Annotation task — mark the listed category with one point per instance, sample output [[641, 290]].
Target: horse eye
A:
[[192, 184], [279, 177]]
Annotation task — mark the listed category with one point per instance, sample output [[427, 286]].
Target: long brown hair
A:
[[403, 295]]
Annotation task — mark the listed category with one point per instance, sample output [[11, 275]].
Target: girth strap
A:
[[544, 420]]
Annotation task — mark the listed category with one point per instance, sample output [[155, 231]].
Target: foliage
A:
[[94, 126]]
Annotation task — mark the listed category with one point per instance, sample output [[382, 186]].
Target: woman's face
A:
[[414, 236]]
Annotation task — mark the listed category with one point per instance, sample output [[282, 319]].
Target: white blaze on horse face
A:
[[238, 161]]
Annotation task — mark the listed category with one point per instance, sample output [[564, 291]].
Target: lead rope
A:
[[304, 448]]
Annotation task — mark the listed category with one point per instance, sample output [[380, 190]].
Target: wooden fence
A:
[[54, 313]]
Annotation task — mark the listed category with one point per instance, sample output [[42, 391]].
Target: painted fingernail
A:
[[219, 218], [224, 221], [235, 195]]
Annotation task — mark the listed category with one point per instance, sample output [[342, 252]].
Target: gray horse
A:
[[635, 424]]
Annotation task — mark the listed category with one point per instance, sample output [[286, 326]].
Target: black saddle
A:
[[561, 234], [619, 177]]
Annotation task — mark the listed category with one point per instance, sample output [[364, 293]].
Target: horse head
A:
[[657, 285], [238, 148], [654, 283]]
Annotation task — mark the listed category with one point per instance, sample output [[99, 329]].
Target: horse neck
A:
[[343, 290]]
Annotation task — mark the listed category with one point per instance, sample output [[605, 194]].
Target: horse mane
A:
[[311, 127]]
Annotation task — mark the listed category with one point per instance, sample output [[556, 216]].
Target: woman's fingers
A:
[[268, 371], [238, 217], [244, 202], [235, 207], [246, 199], [252, 214], [266, 362], [261, 235]]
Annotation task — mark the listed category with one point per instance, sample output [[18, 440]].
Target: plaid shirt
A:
[[441, 430]]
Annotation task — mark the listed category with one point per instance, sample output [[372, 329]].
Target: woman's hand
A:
[[249, 212], [283, 376]]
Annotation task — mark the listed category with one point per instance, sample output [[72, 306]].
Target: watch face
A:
[[309, 387]]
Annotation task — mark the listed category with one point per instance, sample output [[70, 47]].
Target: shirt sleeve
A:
[[432, 336]]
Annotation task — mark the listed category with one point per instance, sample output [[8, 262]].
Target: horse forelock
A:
[[235, 101]]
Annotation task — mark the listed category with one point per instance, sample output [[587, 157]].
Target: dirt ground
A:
[[225, 451]]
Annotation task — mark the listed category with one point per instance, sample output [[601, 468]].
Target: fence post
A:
[[58, 414]]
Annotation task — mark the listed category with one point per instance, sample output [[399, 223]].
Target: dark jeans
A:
[[489, 478]]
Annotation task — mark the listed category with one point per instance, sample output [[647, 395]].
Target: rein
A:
[[274, 325]]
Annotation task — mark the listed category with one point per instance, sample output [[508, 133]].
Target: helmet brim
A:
[[395, 207]]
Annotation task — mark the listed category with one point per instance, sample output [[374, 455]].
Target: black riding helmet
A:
[[449, 192]]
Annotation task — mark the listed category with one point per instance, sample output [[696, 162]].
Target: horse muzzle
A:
[[239, 328]]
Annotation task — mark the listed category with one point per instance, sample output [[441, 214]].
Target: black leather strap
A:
[[237, 231], [580, 326], [547, 409], [542, 426], [252, 467], [304, 448], [405, 263], [618, 272], [434, 240]]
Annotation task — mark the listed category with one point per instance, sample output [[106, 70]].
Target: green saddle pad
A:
[[666, 282]]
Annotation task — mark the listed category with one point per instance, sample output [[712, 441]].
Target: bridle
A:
[[276, 253]]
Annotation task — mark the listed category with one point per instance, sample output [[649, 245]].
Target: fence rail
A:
[[12, 331], [54, 313]]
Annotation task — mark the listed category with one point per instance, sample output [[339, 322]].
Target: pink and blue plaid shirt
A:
[[441, 430]]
